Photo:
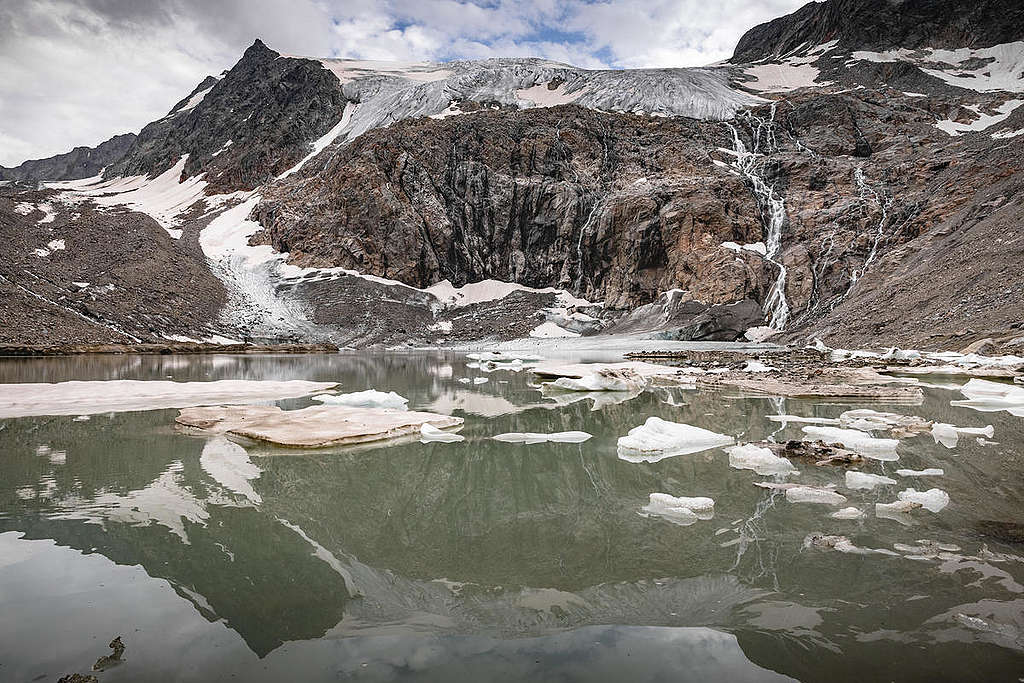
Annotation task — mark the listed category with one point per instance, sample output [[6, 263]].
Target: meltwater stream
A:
[[491, 560], [749, 164]]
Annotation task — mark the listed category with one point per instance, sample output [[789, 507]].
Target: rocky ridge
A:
[[850, 175]]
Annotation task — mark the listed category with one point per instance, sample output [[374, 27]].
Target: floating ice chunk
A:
[[988, 397], [842, 543], [948, 435], [868, 420], [813, 494], [606, 379], [657, 439], [535, 437], [480, 380], [429, 432], [864, 480], [371, 398], [848, 513], [319, 426], [802, 419], [897, 511], [501, 357], [464, 380], [760, 460], [89, 398], [929, 472], [865, 444], [932, 499], [683, 511]]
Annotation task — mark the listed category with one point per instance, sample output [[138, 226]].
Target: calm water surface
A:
[[484, 560]]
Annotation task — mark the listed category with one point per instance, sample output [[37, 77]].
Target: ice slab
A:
[[928, 472], [948, 435], [314, 427], [371, 398], [848, 513], [654, 373], [813, 494], [760, 460], [932, 499], [607, 379], [91, 397], [855, 440], [803, 420], [866, 481], [988, 397], [430, 433], [537, 437], [657, 439], [679, 510]]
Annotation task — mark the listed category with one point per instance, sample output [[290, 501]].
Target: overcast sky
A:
[[75, 72]]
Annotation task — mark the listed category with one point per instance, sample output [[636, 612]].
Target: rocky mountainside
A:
[[850, 174], [81, 162]]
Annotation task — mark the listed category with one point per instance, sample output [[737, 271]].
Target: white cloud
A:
[[79, 71]]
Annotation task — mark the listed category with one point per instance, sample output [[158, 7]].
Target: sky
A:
[[76, 72]]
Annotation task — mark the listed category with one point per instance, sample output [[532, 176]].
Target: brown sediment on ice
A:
[[822, 453], [314, 427], [663, 375], [852, 383]]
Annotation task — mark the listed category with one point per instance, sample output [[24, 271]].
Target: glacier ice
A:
[[932, 499], [371, 398], [760, 460], [864, 480], [814, 494], [860, 442], [657, 439], [537, 437], [429, 432], [679, 510]]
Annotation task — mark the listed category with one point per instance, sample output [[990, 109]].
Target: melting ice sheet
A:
[[86, 398]]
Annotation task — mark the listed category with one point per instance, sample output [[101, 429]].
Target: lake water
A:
[[485, 560]]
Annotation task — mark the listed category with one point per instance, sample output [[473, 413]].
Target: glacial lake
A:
[[490, 561]]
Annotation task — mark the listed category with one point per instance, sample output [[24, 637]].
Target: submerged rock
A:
[[113, 659]]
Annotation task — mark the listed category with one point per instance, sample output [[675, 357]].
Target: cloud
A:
[[79, 71]]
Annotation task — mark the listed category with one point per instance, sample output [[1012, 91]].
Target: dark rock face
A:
[[610, 206], [881, 24], [81, 162], [269, 107]]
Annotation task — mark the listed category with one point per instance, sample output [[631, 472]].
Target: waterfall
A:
[[749, 164], [867, 194]]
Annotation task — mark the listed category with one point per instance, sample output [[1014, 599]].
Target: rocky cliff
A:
[[81, 162], [852, 174]]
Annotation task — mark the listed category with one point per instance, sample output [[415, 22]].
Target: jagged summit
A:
[[884, 24]]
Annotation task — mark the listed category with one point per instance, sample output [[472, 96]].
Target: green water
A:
[[485, 560]]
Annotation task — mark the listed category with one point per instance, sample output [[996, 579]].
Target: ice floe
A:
[[429, 433], [760, 460], [318, 426], [948, 435], [814, 494], [604, 379], [986, 396], [927, 472], [855, 440], [91, 397], [537, 437], [371, 398], [679, 510], [864, 480], [932, 499], [657, 439], [848, 513]]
